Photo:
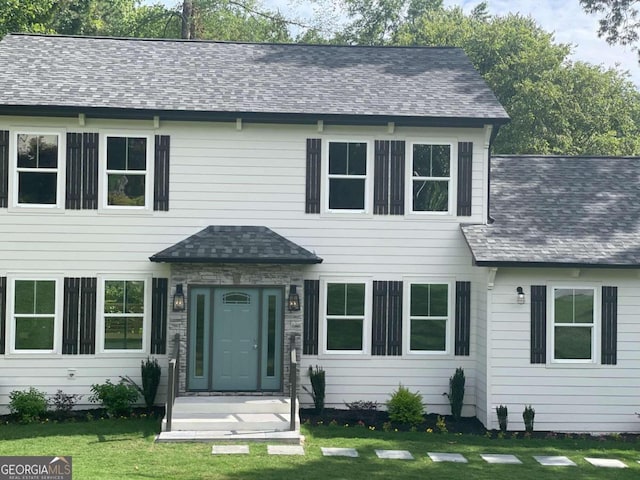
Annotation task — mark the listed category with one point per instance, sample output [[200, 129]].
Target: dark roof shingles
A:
[[196, 76], [561, 210], [236, 244]]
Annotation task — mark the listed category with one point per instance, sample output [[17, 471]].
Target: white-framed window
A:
[[428, 307], [127, 171], [346, 308], [124, 310], [430, 186], [38, 166], [575, 317], [35, 317], [347, 174]]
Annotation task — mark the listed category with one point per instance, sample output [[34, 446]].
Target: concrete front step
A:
[[232, 404], [222, 422], [289, 438]]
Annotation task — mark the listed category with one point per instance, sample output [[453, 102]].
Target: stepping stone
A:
[[285, 450], [447, 457], [605, 462], [394, 454], [230, 450], [504, 459], [339, 452], [554, 461]]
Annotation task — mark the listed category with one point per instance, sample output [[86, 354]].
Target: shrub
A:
[[502, 413], [528, 415], [28, 405], [405, 407], [456, 393], [362, 405], [317, 379], [63, 403], [117, 399], [150, 371]]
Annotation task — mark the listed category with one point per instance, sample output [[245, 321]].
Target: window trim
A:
[[366, 321], [406, 340], [100, 316], [368, 190], [11, 314], [103, 184], [60, 170], [452, 182], [595, 325]]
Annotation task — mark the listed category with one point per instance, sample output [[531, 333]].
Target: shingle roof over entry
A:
[[198, 77], [236, 244], [562, 211]]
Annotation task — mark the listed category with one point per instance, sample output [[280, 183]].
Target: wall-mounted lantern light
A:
[[178, 299], [293, 302], [520, 295]]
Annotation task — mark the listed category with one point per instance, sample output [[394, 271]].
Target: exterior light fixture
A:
[[178, 299], [293, 302], [520, 295]]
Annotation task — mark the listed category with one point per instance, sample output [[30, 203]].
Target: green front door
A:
[[235, 339]]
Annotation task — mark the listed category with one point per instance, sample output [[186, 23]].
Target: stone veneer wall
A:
[[239, 275]]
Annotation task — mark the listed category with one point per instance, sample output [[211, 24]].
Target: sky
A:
[[564, 18]]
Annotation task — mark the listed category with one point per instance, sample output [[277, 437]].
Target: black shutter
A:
[[394, 321], [465, 165], [463, 318], [396, 178], [3, 312], [314, 155], [381, 178], [379, 319], [90, 171], [4, 169], [70, 316], [311, 316], [161, 174], [73, 200], [609, 325], [538, 324], [159, 306], [88, 316]]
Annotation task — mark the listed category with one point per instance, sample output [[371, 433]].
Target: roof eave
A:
[[257, 117], [551, 264], [255, 261]]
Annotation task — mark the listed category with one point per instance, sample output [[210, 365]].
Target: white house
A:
[[235, 175]]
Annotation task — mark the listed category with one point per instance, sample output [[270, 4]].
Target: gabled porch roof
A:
[[236, 244]]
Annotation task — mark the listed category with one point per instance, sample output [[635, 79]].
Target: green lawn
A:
[[122, 449]]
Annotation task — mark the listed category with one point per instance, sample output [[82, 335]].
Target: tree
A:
[[620, 22]]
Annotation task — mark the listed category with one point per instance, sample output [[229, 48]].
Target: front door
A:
[[235, 339]]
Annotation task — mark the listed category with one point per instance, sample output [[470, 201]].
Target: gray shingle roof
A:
[[199, 77], [236, 244], [561, 210]]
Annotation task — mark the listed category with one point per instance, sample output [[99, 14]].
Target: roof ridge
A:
[[230, 42]]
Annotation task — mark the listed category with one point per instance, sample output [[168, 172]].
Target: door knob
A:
[[255, 345]]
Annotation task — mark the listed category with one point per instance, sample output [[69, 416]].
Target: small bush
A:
[[528, 415], [28, 405], [63, 403], [456, 393], [117, 399], [362, 405], [405, 407], [317, 379], [503, 414]]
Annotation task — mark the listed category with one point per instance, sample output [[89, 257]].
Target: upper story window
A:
[[124, 310], [345, 316], [128, 166], [574, 324], [347, 176], [38, 170], [428, 317], [430, 177], [34, 315]]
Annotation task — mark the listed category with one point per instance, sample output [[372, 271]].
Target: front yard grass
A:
[[124, 449]]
